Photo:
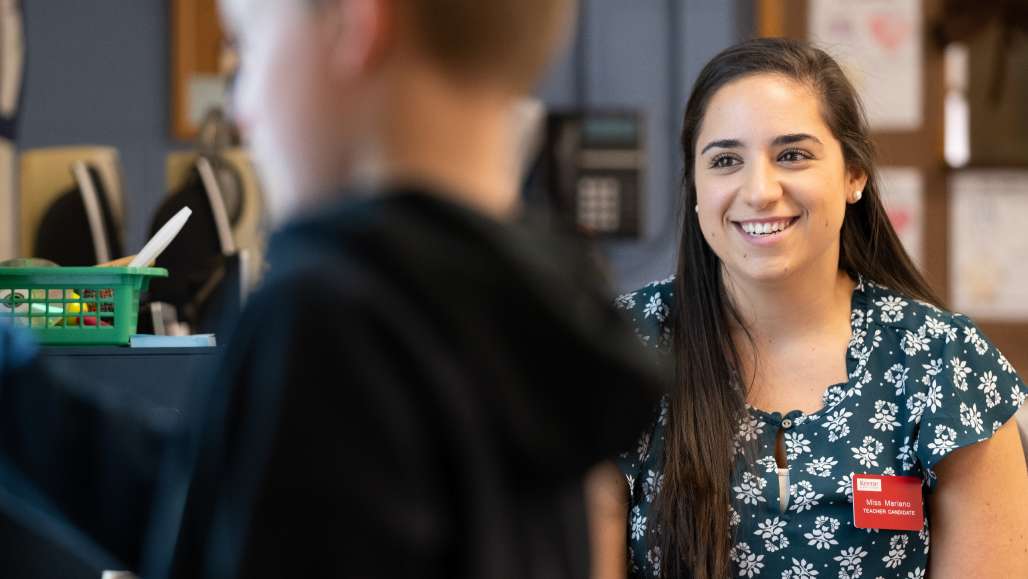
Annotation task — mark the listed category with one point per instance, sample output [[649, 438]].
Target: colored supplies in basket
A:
[[75, 305]]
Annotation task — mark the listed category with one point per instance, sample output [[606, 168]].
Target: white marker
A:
[[159, 242]]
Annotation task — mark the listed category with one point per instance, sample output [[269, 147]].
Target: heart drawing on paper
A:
[[889, 30], [900, 219]]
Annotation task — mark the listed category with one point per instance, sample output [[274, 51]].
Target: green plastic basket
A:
[[79, 306]]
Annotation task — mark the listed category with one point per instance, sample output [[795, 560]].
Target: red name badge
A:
[[887, 502]]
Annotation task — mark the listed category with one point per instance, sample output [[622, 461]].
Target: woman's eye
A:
[[723, 161], [794, 156]]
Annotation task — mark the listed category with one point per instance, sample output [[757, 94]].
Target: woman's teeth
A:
[[765, 228]]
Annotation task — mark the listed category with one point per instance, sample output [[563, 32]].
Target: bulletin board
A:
[[198, 64], [911, 151]]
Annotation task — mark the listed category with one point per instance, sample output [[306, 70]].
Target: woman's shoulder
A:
[[650, 309], [928, 333], [957, 386], [914, 319]]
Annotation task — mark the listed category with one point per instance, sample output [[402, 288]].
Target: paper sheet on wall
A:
[[903, 195], [878, 44], [989, 243], [12, 56]]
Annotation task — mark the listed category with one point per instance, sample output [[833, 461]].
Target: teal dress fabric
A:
[[922, 383]]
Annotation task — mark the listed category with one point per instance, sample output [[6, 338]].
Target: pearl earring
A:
[[697, 208], [857, 196]]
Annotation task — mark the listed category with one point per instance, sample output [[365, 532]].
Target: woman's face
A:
[[771, 182]]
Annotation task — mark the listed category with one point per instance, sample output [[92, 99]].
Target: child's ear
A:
[[358, 32]]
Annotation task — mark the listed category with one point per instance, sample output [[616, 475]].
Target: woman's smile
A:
[[765, 232]]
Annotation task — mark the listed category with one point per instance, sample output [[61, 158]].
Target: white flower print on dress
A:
[[987, 384], [1005, 364], [917, 573], [931, 370], [913, 343], [857, 388], [804, 497], [750, 489], [906, 454], [656, 307], [733, 516], [868, 451], [971, 417], [960, 371], [897, 376], [849, 562], [1017, 396], [885, 416], [638, 523], [795, 445], [769, 463], [822, 466], [800, 570], [845, 486], [897, 551], [773, 533], [662, 418], [833, 396], [933, 398], [856, 318], [971, 337], [837, 424], [749, 563], [643, 448], [892, 309], [750, 428], [916, 406], [625, 301], [945, 440], [940, 329], [823, 535], [653, 558], [651, 486]]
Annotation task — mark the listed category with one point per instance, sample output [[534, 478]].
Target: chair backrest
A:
[[47, 173], [249, 231], [8, 203]]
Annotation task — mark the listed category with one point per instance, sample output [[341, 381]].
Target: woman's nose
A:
[[761, 188]]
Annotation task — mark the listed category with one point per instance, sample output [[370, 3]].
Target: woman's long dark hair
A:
[[693, 509]]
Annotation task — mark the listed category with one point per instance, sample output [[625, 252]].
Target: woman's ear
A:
[[856, 181]]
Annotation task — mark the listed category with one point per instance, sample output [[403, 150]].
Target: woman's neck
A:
[[800, 306]]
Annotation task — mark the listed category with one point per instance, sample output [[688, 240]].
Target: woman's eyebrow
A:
[[723, 143], [794, 138]]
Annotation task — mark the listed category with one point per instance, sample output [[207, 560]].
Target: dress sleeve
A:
[[965, 395], [647, 310]]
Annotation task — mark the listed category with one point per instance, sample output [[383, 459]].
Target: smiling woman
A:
[[808, 349]]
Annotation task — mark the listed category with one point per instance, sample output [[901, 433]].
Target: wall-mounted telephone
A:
[[593, 169]]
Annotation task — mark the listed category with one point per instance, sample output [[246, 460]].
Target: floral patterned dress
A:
[[922, 383]]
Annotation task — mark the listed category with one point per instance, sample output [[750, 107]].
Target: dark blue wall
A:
[[97, 72]]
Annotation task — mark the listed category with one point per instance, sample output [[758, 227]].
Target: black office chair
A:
[[79, 227], [207, 280]]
